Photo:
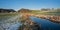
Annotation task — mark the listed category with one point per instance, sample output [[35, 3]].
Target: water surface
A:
[[10, 23], [46, 24]]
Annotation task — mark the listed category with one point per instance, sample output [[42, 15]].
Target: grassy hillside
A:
[[2, 15], [53, 12]]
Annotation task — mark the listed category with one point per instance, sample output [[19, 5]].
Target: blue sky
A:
[[29, 4]]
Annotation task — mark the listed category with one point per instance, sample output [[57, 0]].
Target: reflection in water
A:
[[14, 26], [46, 24], [10, 23]]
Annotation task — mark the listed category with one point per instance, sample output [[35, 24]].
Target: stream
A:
[[45, 24], [12, 23]]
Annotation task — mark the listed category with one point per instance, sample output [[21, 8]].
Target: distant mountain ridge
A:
[[24, 10], [6, 10]]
